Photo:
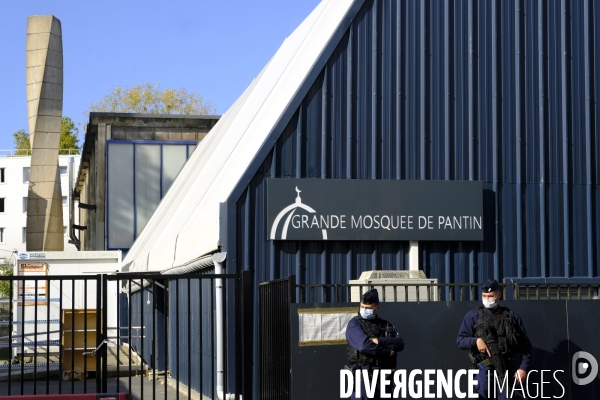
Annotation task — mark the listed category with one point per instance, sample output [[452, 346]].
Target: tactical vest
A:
[[373, 331], [503, 326]]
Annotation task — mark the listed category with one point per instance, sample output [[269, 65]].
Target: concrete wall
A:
[[44, 75]]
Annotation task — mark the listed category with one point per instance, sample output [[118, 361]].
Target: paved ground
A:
[[139, 388]]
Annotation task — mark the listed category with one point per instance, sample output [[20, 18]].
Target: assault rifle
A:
[[496, 361]]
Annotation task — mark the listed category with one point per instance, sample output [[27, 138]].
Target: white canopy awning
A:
[[185, 226]]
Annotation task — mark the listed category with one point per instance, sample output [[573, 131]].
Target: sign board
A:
[[32, 256], [27, 288], [362, 209]]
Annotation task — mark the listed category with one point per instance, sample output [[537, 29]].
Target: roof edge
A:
[[150, 116], [227, 235]]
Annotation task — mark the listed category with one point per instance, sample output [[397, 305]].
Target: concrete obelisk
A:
[[44, 106]]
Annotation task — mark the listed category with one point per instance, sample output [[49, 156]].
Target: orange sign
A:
[[28, 288]]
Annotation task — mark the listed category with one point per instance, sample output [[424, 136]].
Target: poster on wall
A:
[[30, 289], [366, 209]]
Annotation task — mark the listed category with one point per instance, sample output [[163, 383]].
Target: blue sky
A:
[[213, 47]]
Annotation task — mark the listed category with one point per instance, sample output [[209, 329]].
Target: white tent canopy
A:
[[185, 226]]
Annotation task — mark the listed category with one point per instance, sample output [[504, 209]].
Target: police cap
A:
[[490, 286], [370, 297]]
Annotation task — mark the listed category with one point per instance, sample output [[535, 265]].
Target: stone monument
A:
[[44, 62]]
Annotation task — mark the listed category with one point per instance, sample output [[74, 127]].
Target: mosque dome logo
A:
[[290, 211]]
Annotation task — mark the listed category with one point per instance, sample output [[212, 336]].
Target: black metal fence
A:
[[274, 300], [328, 293], [276, 297], [41, 352], [150, 335]]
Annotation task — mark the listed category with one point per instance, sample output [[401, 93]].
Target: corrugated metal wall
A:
[[142, 302], [189, 348], [498, 91], [192, 356]]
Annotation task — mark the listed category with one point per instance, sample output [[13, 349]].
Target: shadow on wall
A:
[[44, 222]]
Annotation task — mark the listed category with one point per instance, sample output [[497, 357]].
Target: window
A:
[[24, 204], [138, 176], [65, 230], [25, 174], [1, 235], [2, 199], [2, 175], [24, 235], [64, 198], [63, 170]]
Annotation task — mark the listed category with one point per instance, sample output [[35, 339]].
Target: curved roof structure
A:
[[185, 226]]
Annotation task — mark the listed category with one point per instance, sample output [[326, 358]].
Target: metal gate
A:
[[274, 299], [150, 335]]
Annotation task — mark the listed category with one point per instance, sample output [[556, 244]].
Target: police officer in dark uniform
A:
[[498, 342], [372, 341]]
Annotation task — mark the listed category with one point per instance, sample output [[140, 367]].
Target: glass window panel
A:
[[24, 204], [25, 174], [191, 149], [174, 157], [63, 170], [120, 195], [147, 183]]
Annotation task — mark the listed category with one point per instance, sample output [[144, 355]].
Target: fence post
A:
[[246, 336], [104, 348], [99, 338]]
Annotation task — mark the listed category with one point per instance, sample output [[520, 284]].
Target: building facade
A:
[[500, 93], [14, 185], [128, 163]]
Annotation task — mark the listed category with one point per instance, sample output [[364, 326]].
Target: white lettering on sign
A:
[[419, 210], [37, 256], [462, 222]]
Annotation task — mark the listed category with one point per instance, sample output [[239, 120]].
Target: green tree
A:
[[149, 98], [22, 143], [68, 135], [68, 138], [6, 269]]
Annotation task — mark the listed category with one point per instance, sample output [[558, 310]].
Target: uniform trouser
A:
[[363, 391], [485, 381]]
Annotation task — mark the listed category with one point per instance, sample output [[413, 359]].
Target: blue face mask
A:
[[366, 314]]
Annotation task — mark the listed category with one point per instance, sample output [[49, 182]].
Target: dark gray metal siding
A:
[[192, 356], [189, 349], [142, 302], [504, 92], [498, 91]]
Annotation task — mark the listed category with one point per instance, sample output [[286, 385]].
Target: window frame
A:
[[28, 174]]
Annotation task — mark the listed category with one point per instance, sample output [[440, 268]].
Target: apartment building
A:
[[14, 184]]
